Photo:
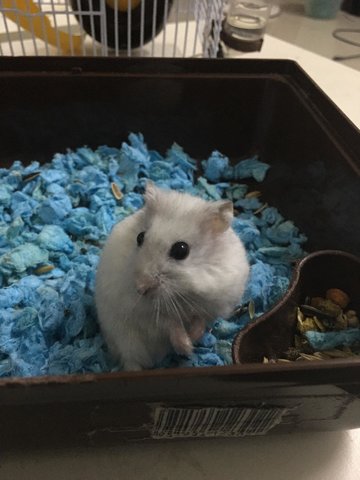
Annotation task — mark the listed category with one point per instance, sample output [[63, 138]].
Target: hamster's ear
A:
[[151, 193], [220, 216]]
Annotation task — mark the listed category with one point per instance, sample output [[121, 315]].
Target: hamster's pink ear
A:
[[220, 216]]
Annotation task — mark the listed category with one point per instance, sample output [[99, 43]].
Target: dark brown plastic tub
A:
[[239, 107]]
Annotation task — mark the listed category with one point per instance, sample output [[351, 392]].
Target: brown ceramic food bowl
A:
[[272, 333]]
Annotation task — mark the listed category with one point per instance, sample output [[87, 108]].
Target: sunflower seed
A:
[[44, 269], [253, 194], [320, 326], [259, 210], [306, 356], [251, 309], [312, 311], [31, 176], [116, 191], [239, 310]]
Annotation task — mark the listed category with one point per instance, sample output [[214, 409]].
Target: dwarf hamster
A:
[[166, 272]]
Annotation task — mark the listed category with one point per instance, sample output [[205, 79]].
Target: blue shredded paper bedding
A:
[[54, 220]]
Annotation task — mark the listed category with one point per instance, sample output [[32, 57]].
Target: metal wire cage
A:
[[156, 28]]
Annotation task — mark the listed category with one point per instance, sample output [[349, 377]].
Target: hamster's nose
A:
[[146, 283]]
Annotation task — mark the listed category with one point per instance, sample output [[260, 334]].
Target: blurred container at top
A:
[[245, 24], [322, 8]]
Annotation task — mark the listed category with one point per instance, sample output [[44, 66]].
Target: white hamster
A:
[[165, 272]]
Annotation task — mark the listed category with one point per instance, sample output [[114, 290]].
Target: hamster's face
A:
[[178, 248]]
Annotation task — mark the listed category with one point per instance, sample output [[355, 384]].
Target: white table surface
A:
[[339, 82], [311, 456], [314, 456]]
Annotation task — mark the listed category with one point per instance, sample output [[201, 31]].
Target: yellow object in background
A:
[[123, 5], [29, 16]]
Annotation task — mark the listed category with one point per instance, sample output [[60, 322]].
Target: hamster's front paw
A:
[[197, 328], [181, 342]]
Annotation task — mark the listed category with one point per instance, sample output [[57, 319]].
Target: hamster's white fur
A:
[[149, 303]]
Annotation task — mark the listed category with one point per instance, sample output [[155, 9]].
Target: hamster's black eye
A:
[[140, 238], [179, 251]]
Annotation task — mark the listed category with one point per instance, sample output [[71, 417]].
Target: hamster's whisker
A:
[[182, 303], [180, 307], [189, 300], [156, 311], [173, 305], [164, 304], [192, 304], [131, 311]]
